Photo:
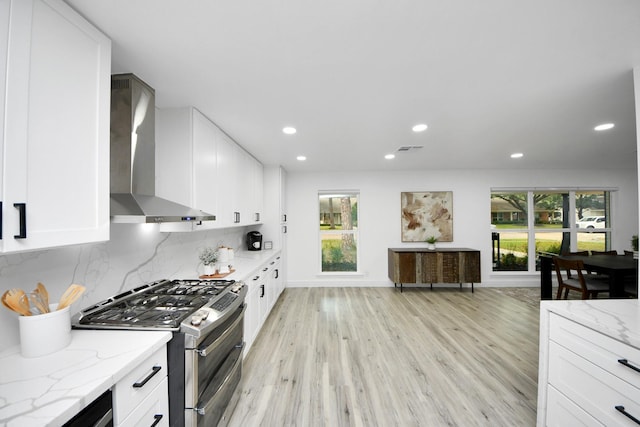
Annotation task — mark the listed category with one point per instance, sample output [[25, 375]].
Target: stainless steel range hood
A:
[[133, 165]]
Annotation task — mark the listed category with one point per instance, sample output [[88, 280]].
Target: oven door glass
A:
[[218, 394], [217, 369]]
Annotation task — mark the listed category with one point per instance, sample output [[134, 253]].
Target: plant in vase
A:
[[431, 242], [634, 245], [209, 257]]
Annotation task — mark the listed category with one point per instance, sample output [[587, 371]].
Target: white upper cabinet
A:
[[240, 184], [228, 175], [200, 166], [186, 163], [55, 139]]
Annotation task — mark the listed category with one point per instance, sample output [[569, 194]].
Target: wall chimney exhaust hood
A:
[[133, 156]]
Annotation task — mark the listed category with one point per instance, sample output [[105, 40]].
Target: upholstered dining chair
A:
[[571, 277]]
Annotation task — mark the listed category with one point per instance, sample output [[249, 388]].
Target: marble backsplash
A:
[[135, 254]]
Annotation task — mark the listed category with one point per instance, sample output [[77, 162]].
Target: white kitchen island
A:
[[589, 366], [50, 390]]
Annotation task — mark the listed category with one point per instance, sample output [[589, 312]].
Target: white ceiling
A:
[[489, 77]]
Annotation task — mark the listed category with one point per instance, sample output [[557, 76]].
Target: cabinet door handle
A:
[[157, 418], [22, 209], [620, 408], [626, 363], [277, 273], [284, 229], [284, 218], [257, 216], [262, 291], [154, 371]]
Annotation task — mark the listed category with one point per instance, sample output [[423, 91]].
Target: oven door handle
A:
[[207, 407], [211, 347]]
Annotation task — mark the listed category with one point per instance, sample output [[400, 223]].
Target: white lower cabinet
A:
[[563, 412], [252, 313], [153, 410], [141, 397], [591, 379], [265, 286]]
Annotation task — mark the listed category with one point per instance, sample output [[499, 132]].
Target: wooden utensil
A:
[[72, 293], [17, 300], [38, 302], [44, 294], [40, 298]]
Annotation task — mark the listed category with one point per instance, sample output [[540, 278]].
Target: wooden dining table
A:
[[616, 267]]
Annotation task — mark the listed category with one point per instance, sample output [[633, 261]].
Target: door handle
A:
[[22, 210]]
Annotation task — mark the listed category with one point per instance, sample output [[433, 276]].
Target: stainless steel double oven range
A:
[[204, 355]]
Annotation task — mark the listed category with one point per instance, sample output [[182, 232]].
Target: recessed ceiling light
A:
[[517, 155], [301, 158], [289, 130], [419, 128], [390, 156], [604, 126]]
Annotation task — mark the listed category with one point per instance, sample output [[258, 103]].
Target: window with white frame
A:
[[527, 222], [338, 231]]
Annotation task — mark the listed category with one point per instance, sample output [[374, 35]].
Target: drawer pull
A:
[[154, 371], [157, 419], [620, 408], [626, 363]]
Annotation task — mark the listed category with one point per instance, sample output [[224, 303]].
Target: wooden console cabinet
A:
[[445, 265]]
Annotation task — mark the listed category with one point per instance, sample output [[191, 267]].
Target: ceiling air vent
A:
[[409, 147]]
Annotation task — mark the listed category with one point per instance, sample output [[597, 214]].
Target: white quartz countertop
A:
[[617, 318], [50, 390], [244, 263]]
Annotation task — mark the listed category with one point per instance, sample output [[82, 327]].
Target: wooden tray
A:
[[217, 275]]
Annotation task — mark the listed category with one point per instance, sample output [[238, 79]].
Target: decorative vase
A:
[[209, 269], [431, 246]]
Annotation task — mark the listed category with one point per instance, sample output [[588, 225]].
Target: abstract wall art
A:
[[426, 214]]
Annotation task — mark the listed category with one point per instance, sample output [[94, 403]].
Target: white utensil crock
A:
[[43, 334]]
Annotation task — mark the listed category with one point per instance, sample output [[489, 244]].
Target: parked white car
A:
[[591, 222]]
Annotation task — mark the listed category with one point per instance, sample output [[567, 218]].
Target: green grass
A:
[[520, 245], [524, 226]]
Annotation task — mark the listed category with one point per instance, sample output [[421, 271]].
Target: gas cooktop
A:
[[159, 305]]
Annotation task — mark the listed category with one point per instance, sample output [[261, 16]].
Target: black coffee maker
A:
[[254, 241]]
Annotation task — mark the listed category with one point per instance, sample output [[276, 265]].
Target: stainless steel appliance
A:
[[133, 158], [205, 353]]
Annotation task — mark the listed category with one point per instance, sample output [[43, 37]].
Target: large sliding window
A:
[[527, 222], [338, 231]]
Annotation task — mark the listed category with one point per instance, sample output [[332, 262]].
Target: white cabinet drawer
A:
[[153, 411], [138, 384], [562, 412], [597, 348], [593, 389]]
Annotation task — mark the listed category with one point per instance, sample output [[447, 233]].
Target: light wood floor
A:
[[376, 357]]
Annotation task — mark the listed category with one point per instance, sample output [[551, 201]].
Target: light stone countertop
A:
[[50, 390], [616, 318]]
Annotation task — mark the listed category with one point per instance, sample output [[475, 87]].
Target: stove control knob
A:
[[203, 313], [196, 320]]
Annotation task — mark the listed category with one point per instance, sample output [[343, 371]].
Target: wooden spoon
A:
[[17, 300], [40, 289], [72, 293]]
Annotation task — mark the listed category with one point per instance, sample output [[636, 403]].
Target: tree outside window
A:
[[338, 231], [526, 223]]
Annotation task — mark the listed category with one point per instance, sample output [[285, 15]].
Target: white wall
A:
[[136, 254], [379, 221]]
